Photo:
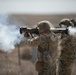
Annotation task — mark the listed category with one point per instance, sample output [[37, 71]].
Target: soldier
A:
[[65, 23], [73, 21], [67, 47], [47, 44]]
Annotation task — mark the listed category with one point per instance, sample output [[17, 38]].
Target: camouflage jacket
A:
[[68, 46], [47, 46], [47, 52]]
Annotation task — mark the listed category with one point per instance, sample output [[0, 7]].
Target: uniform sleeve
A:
[[34, 41]]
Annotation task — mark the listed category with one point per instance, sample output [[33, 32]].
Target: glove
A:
[[39, 66], [26, 34]]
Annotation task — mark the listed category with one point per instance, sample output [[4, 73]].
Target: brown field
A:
[[12, 63]]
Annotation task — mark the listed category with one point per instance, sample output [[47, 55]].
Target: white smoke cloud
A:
[[9, 37], [72, 31]]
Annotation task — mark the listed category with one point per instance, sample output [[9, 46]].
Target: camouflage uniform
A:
[[47, 52], [67, 56], [73, 21]]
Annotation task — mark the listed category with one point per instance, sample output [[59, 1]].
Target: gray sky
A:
[[38, 6]]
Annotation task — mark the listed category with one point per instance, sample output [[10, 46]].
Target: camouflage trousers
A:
[[65, 68], [48, 70]]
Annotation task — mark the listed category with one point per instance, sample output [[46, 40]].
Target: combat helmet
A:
[[73, 21], [44, 25], [66, 22]]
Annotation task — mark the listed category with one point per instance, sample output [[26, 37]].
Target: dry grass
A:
[[9, 68], [26, 53], [9, 62]]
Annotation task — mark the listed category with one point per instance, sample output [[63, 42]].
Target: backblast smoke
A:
[[72, 31], [9, 37], [69, 30]]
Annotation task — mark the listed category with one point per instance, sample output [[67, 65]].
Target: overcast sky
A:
[[38, 6]]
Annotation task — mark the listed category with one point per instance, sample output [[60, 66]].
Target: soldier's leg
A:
[[52, 70], [64, 68], [49, 68], [45, 70]]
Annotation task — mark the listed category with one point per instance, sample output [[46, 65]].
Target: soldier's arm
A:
[[34, 41]]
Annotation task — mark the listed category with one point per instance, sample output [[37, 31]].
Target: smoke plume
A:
[[72, 31], [9, 37]]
